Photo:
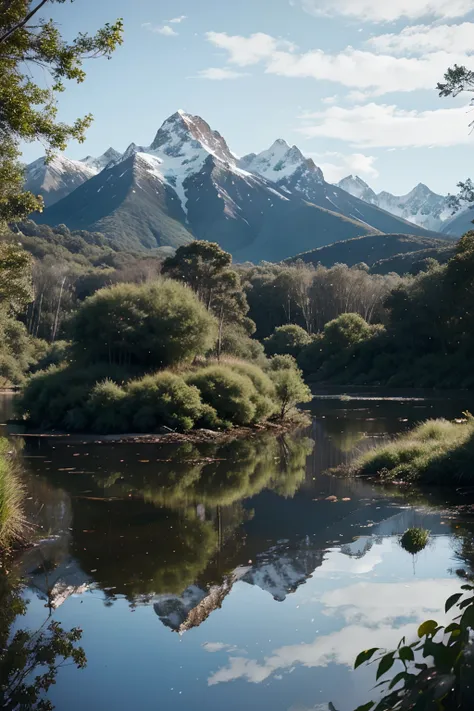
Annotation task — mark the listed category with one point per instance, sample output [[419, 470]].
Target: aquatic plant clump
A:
[[437, 452], [12, 521], [414, 540]]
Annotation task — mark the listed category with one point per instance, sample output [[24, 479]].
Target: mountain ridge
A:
[[188, 184]]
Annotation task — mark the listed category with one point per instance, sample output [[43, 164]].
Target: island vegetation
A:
[[435, 453]]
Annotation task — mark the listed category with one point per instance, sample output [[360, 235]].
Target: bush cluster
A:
[[105, 400]]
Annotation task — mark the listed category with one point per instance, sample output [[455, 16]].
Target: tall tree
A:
[[206, 269], [456, 80], [28, 110]]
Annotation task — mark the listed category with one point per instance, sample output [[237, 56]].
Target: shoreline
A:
[[300, 419]]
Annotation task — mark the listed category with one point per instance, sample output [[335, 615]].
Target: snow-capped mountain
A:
[[358, 188], [298, 175], [421, 206], [56, 179], [98, 164], [188, 184], [283, 165]]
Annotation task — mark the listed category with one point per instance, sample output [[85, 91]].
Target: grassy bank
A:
[[437, 452], [11, 498]]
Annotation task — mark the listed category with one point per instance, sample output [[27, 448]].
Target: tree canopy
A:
[[28, 110], [156, 324]]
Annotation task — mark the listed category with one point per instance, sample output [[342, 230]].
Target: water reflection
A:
[[276, 572]]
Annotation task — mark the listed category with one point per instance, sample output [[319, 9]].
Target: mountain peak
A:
[[355, 186], [183, 134], [98, 164]]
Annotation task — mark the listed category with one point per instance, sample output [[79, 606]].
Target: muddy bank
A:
[[300, 419]]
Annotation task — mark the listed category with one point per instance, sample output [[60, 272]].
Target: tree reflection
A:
[[30, 661], [216, 475]]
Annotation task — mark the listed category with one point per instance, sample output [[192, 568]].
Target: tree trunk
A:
[[56, 318]]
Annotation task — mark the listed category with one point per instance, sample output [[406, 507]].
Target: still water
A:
[[238, 576]]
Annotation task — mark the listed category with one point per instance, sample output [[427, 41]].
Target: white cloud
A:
[[377, 614], [383, 126], [357, 96], [330, 99], [177, 20], [215, 646], [336, 166], [245, 51], [165, 30], [422, 39], [388, 10], [357, 69], [360, 69], [218, 74]]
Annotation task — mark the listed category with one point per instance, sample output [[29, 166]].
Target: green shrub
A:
[[105, 408], [264, 396], [164, 399], [46, 354], [56, 398], [287, 340], [282, 362], [290, 389], [231, 394], [236, 342], [152, 325], [414, 540]]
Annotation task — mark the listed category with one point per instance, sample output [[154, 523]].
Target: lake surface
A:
[[235, 576]]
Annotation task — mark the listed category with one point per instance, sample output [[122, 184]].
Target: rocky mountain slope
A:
[[188, 184]]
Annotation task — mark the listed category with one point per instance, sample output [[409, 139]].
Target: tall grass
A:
[[12, 520], [437, 452]]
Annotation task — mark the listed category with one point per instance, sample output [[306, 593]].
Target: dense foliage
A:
[[427, 339], [308, 296], [287, 340], [28, 109], [116, 375], [152, 325]]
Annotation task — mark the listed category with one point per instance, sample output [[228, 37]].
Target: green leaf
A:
[[385, 664], [452, 601], [467, 587], [427, 627], [466, 603], [366, 707], [398, 677], [365, 656], [406, 654], [453, 626]]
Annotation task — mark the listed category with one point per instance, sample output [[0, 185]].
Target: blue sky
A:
[[351, 82]]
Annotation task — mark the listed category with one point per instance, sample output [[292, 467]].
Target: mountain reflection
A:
[[154, 521]]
